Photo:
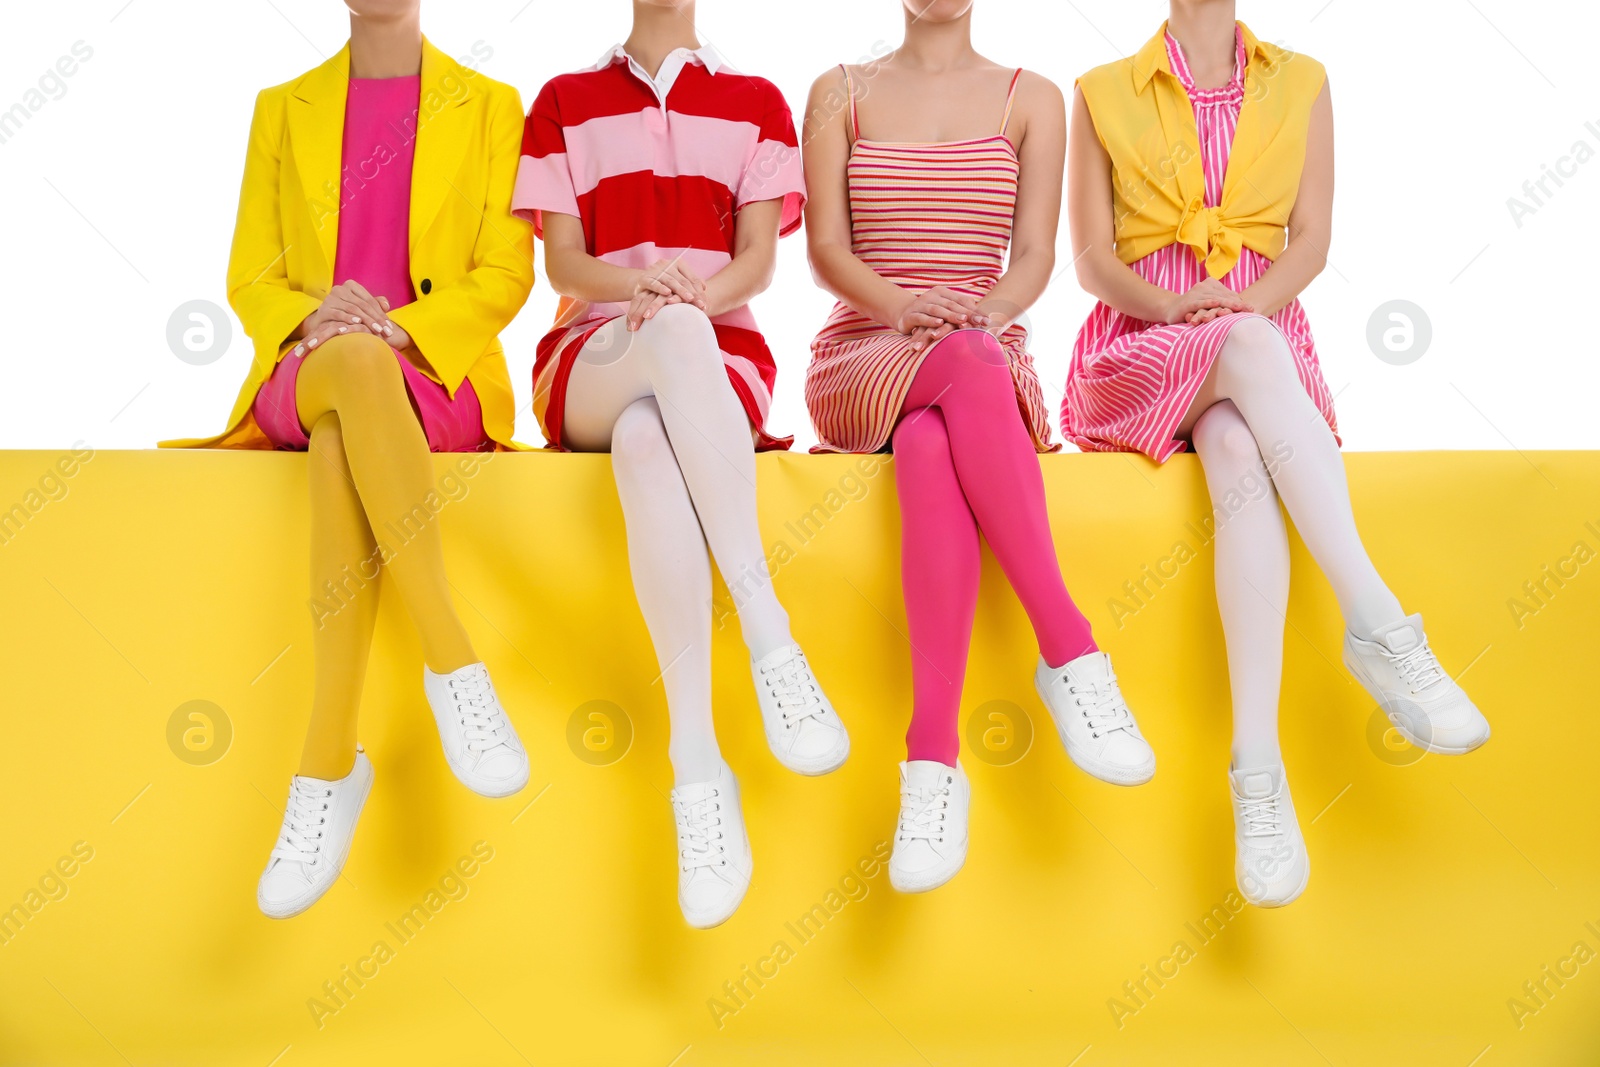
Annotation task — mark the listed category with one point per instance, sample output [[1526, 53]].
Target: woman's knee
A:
[[922, 437], [680, 330], [327, 450], [974, 365], [1255, 352], [327, 438], [639, 441], [1223, 439], [971, 345], [356, 365]]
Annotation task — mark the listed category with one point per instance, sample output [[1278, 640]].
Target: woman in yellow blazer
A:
[[387, 170]]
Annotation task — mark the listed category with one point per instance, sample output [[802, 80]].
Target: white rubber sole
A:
[[716, 919], [1097, 768], [494, 790], [824, 764], [926, 880], [1109, 772], [1398, 721], [1299, 890], [301, 904]]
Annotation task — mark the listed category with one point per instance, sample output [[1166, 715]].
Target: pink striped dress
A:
[[1131, 381], [921, 215]]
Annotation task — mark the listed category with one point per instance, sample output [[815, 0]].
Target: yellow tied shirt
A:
[[1143, 119]]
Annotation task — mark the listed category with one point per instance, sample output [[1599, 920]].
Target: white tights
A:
[[1251, 406], [681, 449]]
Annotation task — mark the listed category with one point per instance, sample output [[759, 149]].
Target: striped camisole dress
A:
[[1131, 381], [921, 215]]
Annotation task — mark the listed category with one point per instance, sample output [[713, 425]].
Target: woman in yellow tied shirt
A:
[[375, 258], [1201, 178]]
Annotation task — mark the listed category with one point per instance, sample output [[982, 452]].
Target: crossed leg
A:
[[1252, 405], [369, 465], [658, 399]]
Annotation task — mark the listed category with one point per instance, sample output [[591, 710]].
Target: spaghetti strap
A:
[[1005, 120], [850, 91]]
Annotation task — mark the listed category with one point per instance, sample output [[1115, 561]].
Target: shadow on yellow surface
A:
[[1453, 912]]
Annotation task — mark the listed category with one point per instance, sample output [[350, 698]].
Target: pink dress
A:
[[1132, 381], [380, 123]]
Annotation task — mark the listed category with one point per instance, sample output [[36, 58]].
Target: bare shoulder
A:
[[1038, 105], [1039, 94], [830, 81], [828, 100]]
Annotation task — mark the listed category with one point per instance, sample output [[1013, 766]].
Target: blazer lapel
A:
[[443, 129], [316, 143]]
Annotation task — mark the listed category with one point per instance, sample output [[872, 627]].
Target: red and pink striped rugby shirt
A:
[[658, 169]]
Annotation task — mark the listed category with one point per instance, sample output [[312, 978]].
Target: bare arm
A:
[[755, 255], [1041, 151], [1310, 220], [574, 272], [1089, 214], [834, 266]]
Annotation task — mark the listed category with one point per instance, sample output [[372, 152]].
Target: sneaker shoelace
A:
[[700, 832], [1101, 705], [922, 811], [1263, 818], [1419, 667], [478, 712], [300, 840], [793, 690]]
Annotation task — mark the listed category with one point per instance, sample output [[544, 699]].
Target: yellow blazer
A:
[[471, 259], [1143, 118]]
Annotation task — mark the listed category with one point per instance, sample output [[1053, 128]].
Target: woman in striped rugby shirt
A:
[[660, 180], [913, 201], [1199, 338]]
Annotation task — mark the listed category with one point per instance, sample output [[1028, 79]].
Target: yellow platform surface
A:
[[157, 665]]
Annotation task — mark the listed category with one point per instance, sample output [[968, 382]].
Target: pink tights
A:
[[964, 462]]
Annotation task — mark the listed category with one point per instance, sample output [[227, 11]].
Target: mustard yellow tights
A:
[[369, 467]]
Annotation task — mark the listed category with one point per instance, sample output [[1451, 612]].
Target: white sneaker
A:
[[480, 744], [930, 844], [803, 730], [1271, 864], [714, 860], [1423, 702], [1094, 721], [319, 823]]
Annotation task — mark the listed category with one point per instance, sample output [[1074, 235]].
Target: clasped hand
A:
[[350, 308]]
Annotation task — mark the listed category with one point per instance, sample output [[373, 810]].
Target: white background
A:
[[119, 193]]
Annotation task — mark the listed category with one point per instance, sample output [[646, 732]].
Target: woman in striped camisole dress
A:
[[913, 198], [1199, 339]]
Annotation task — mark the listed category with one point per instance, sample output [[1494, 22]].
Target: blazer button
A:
[[426, 286]]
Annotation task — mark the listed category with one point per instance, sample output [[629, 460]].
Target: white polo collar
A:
[[706, 55]]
